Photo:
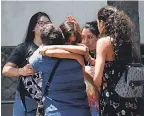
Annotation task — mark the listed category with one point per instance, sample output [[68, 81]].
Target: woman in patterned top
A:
[[113, 52]]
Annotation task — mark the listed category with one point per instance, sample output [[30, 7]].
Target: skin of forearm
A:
[[75, 49], [71, 48], [10, 71], [89, 78], [59, 54], [97, 81], [64, 54]]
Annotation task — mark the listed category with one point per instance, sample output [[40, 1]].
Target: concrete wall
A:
[[15, 15], [141, 20]]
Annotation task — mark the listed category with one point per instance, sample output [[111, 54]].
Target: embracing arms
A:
[[70, 49]]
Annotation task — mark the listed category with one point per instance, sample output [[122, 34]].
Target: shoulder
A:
[[104, 42], [103, 45], [35, 60], [25, 44], [22, 46]]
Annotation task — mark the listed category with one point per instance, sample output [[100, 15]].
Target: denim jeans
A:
[[94, 112], [18, 107]]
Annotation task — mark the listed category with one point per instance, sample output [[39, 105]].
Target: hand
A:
[[72, 19], [42, 50], [92, 61], [26, 70]]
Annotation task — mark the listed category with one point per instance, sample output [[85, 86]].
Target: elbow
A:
[[4, 71]]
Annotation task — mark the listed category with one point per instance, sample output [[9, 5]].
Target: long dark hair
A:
[[70, 28], [32, 23], [92, 26], [119, 27]]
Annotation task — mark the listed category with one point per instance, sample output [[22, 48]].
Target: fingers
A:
[[27, 70], [71, 18], [42, 50], [28, 67]]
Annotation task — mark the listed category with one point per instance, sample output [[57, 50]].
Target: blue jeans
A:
[[94, 112], [18, 107], [53, 111]]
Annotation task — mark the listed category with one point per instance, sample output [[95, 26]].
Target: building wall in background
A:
[[15, 15], [141, 20]]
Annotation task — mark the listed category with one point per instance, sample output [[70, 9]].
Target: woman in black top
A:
[[90, 35], [17, 62], [113, 53]]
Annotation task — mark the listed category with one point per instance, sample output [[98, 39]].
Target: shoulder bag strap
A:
[[51, 77]]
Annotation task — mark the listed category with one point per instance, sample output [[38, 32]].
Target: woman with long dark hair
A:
[[113, 53], [17, 66]]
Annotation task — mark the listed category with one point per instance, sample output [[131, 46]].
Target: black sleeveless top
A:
[[111, 104]]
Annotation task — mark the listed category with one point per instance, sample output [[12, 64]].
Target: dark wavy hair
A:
[[52, 35], [120, 28], [32, 23], [70, 28], [92, 26]]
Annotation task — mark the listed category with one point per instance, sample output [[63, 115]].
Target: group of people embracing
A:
[[81, 65]]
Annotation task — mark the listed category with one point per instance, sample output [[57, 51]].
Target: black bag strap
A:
[[22, 93], [136, 53], [40, 108], [51, 77]]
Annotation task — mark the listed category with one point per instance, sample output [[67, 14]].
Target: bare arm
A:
[[89, 74], [77, 49], [11, 70], [64, 54], [101, 50], [89, 78]]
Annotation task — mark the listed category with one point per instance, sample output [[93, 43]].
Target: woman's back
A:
[[67, 84], [67, 89]]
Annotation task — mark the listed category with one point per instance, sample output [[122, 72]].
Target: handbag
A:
[[34, 91], [33, 85], [131, 83]]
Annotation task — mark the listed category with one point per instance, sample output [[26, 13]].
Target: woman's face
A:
[[43, 20], [89, 39], [71, 39]]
